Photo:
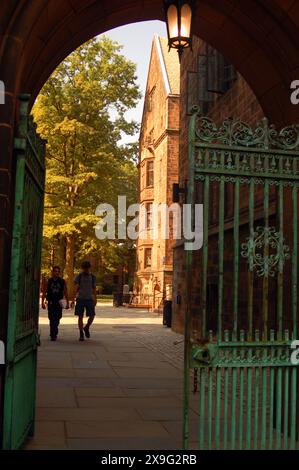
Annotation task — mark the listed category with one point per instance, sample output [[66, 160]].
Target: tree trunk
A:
[[62, 253], [69, 264], [52, 256]]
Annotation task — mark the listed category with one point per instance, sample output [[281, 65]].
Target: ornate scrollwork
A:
[[265, 251], [286, 139], [236, 132]]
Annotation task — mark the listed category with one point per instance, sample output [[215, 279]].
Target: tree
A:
[[81, 112]]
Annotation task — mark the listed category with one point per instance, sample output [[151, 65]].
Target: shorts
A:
[[85, 304]]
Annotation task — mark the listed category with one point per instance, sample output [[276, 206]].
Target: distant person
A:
[[86, 298], [55, 291]]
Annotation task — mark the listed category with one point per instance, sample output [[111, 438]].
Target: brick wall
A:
[[238, 102]]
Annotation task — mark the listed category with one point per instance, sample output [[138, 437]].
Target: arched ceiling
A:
[[260, 37]]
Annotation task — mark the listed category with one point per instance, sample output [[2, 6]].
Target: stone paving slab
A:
[[148, 393], [77, 382], [131, 402], [87, 415], [174, 428], [110, 355], [92, 373], [150, 383], [145, 357], [49, 435], [83, 356], [163, 413], [140, 364], [147, 373], [115, 429], [122, 389], [90, 364], [135, 443], [100, 392], [55, 373], [55, 396]]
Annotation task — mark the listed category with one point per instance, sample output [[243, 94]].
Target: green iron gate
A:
[[242, 286], [22, 335]]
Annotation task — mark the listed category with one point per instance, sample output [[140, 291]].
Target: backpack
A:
[[93, 280]]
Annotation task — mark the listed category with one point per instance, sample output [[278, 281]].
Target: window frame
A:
[[147, 172], [146, 251]]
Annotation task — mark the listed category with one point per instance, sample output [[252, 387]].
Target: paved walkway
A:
[[122, 389]]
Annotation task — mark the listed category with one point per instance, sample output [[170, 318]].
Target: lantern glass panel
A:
[[172, 17], [186, 17]]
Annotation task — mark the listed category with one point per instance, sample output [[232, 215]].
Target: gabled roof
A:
[[170, 65], [170, 69]]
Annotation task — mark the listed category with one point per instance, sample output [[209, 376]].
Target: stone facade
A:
[[158, 170], [238, 101]]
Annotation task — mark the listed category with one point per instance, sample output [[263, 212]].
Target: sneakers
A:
[[81, 337], [86, 331]]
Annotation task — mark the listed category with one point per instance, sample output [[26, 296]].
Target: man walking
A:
[[86, 298], [55, 291]]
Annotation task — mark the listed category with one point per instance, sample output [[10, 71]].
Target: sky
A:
[[137, 41]]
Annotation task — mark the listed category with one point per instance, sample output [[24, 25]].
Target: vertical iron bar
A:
[[286, 409], [235, 300], [241, 396], [205, 254], [218, 408], [236, 251], [256, 399], [271, 398], [264, 402], [210, 407], [266, 256], [249, 399], [187, 323], [233, 406], [225, 404], [293, 396], [250, 270], [278, 407], [295, 255], [294, 410], [202, 408], [286, 400], [221, 249], [280, 263]]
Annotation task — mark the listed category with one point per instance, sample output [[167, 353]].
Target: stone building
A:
[[158, 170], [209, 81]]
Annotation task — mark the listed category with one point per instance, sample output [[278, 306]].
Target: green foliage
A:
[[81, 113]]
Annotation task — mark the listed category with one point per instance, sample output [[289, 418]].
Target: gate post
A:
[[7, 122]]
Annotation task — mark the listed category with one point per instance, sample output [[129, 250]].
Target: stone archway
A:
[[260, 37]]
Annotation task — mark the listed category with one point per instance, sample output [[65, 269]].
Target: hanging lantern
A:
[[179, 15]]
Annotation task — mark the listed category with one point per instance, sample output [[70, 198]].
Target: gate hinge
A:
[[203, 355]]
